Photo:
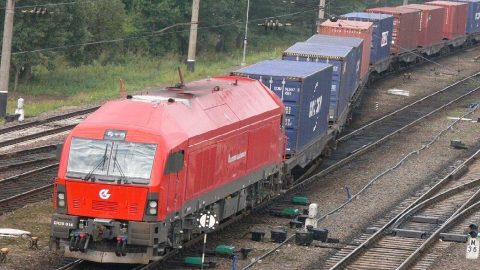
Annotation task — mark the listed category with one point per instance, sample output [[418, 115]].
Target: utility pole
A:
[[6, 56], [244, 63], [405, 2], [192, 43], [321, 13]]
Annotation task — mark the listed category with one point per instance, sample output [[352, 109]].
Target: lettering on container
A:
[[384, 41], [315, 106], [288, 110], [289, 122]]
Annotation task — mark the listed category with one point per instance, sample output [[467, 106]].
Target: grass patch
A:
[[73, 86]]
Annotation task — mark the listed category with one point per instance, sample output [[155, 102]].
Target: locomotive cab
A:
[[108, 201]]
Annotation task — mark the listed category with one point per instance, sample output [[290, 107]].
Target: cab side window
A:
[[174, 162]]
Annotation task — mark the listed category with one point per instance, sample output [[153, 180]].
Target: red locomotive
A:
[[135, 174]]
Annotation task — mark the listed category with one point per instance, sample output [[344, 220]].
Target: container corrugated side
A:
[[356, 43], [381, 33], [305, 91], [455, 20], [405, 28], [473, 17], [430, 19], [345, 70], [361, 30]]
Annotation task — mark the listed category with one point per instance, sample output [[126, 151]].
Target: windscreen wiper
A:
[[102, 162], [116, 164]]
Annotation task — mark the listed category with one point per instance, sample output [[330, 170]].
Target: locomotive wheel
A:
[[117, 248]]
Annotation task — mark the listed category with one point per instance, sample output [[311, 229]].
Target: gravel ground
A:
[[36, 219], [424, 80]]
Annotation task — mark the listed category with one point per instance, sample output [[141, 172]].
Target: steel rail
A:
[[375, 236], [72, 265], [428, 202], [368, 147], [354, 132], [46, 148], [37, 135], [11, 203], [47, 120], [460, 213], [29, 173]]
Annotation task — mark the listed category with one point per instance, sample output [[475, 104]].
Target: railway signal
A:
[[473, 243]]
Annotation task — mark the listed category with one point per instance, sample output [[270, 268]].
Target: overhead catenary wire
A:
[[54, 4], [152, 34]]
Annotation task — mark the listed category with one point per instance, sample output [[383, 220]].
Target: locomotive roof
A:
[[207, 106]]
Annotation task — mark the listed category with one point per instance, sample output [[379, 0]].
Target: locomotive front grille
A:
[[105, 206], [133, 208]]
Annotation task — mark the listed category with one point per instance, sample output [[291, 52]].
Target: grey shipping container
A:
[[345, 76], [382, 33], [355, 43], [305, 91], [473, 17]]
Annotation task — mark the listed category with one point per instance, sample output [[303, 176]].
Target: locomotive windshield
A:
[[103, 160]]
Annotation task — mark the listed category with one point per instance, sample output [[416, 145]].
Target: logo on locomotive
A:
[[104, 195]]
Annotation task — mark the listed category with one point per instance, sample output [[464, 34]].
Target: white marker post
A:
[[473, 247], [207, 222]]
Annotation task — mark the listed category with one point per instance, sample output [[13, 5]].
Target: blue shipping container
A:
[[473, 17], [355, 43], [345, 76], [382, 33], [304, 89]]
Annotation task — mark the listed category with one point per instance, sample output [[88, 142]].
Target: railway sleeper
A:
[[410, 233], [427, 219]]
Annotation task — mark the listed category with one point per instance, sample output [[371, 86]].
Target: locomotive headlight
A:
[[61, 199], [61, 203], [152, 204], [152, 207]]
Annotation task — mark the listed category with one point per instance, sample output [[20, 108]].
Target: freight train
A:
[[135, 175]]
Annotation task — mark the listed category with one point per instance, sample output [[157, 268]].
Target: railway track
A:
[[28, 187], [400, 239], [27, 159], [35, 129]]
